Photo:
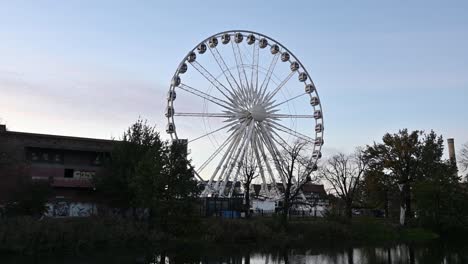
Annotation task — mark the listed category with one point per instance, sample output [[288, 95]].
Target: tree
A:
[[440, 199], [148, 173], [138, 143], [344, 174], [405, 160], [378, 189], [397, 157], [438, 194], [166, 186], [295, 171], [249, 173]]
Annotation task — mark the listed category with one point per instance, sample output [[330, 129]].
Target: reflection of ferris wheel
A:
[[256, 99]]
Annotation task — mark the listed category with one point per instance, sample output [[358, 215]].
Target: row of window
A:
[[57, 157]]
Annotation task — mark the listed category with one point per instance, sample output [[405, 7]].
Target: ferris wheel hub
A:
[[258, 113]]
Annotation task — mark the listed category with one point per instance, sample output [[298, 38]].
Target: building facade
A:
[[67, 164]]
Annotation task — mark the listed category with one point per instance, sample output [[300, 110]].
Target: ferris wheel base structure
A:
[[257, 101]]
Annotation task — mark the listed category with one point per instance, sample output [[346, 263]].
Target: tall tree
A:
[[165, 185], [344, 174], [407, 159], [440, 199], [138, 143], [398, 157], [378, 189], [146, 172]]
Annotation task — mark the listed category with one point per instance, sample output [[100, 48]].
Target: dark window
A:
[[41, 155], [68, 173], [97, 160]]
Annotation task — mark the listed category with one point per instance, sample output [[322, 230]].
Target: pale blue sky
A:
[[90, 68]]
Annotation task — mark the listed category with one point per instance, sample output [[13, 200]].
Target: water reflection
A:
[[414, 254], [378, 255]]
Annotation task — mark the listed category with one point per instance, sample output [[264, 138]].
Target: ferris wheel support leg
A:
[[262, 172], [245, 140], [275, 154], [227, 154], [267, 165], [228, 161]]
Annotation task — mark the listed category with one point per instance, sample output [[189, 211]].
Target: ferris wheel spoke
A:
[[220, 148], [254, 77], [224, 115], [290, 116], [208, 76], [285, 101], [275, 136], [239, 65], [206, 96], [281, 85], [286, 146], [266, 80], [209, 133], [291, 132], [225, 69]]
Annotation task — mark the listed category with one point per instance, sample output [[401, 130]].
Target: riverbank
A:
[[49, 236]]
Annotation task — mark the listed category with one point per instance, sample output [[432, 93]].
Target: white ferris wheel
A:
[[241, 93]]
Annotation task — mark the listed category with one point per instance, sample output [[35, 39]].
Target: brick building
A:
[[66, 163]]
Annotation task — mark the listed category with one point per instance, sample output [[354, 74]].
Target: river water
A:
[[427, 253]]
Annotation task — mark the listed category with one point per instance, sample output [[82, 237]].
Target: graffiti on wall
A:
[[70, 209]]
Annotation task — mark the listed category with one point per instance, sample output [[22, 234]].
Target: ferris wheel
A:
[[241, 93]]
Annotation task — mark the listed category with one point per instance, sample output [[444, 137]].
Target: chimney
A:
[[2, 128], [451, 149]]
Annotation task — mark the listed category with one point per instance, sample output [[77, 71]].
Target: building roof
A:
[[55, 141], [308, 188], [314, 188], [51, 136]]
